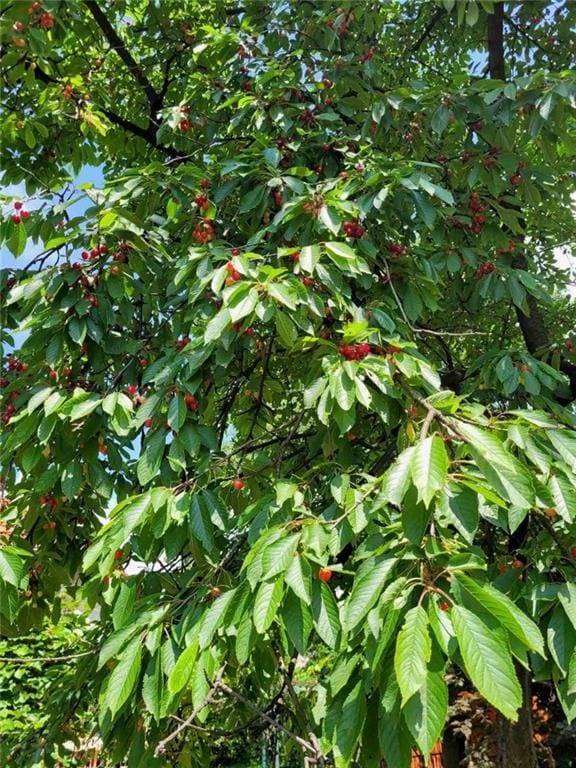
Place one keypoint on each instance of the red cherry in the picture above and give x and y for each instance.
(144, 362)
(517, 564)
(235, 252)
(148, 423)
(118, 555)
(238, 483)
(25, 214)
(191, 402)
(53, 375)
(444, 607)
(515, 180)
(573, 551)
(18, 205)
(230, 268)
(325, 574)
(503, 568)
(15, 218)
(132, 389)
(250, 332)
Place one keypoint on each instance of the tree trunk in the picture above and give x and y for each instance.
(514, 740)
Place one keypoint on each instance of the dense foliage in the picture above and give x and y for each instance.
(291, 398)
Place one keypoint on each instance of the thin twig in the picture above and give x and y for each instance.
(274, 723)
(161, 747)
(45, 659)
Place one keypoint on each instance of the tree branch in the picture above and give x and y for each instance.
(305, 745)
(117, 44)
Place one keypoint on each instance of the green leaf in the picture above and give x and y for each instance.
(287, 331)
(71, 480)
(149, 462)
(176, 412)
(216, 327)
(429, 467)
(396, 479)
(11, 566)
(393, 735)
(510, 616)
(283, 294)
(341, 250)
(487, 662)
(351, 722)
(415, 518)
(343, 389)
(17, 241)
(567, 597)
(459, 507)
(309, 257)
(330, 218)
(564, 495)
(561, 637)
(182, 670)
(85, 407)
(297, 577)
(266, 604)
(279, 556)
(325, 614)
(297, 621)
(213, 617)
(425, 713)
(413, 651)
(366, 590)
(123, 678)
(153, 686)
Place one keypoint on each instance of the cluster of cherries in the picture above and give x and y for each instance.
(397, 249)
(369, 54)
(233, 274)
(93, 253)
(48, 501)
(202, 202)
(353, 229)
(191, 402)
(510, 248)
(485, 269)
(203, 231)
(181, 343)
(42, 19)
(355, 351)
(16, 365)
(20, 213)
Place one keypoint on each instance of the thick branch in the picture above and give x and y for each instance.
(533, 327)
(118, 45)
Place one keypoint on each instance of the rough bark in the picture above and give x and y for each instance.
(515, 744)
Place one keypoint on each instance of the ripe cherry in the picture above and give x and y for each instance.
(118, 555)
(132, 389)
(15, 218)
(517, 564)
(18, 205)
(573, 551)
(25, 214)
(148, 423)
(325, 574)
(515, 179)
(238, 483)
(53, 375)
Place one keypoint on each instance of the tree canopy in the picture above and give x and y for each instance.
(289, 400)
